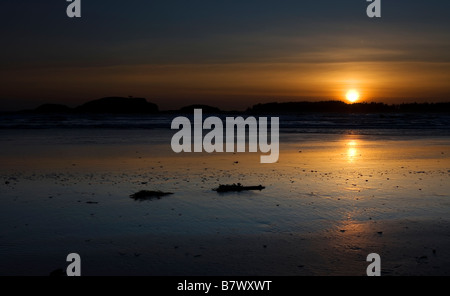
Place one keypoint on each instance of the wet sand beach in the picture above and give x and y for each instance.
(330, 201)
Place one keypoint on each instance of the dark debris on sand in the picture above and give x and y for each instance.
(237, 188)
(149, 195)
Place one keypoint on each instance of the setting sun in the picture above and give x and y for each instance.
(352, 96)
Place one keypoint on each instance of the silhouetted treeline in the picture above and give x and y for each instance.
(342, 107)
(119, 105)
(205, 108)
(110, 105)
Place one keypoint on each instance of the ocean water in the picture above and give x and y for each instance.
(65, 183)
(414, 124)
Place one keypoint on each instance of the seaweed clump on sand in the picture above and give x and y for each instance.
(149, 195)
(237, 188)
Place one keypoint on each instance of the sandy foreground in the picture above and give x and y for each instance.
(406, 248)
(328, 203)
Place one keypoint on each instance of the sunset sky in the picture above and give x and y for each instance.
(230, 54)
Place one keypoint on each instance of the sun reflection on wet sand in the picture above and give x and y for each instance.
(352, 150)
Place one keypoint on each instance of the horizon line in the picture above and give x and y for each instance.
(362, 102)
